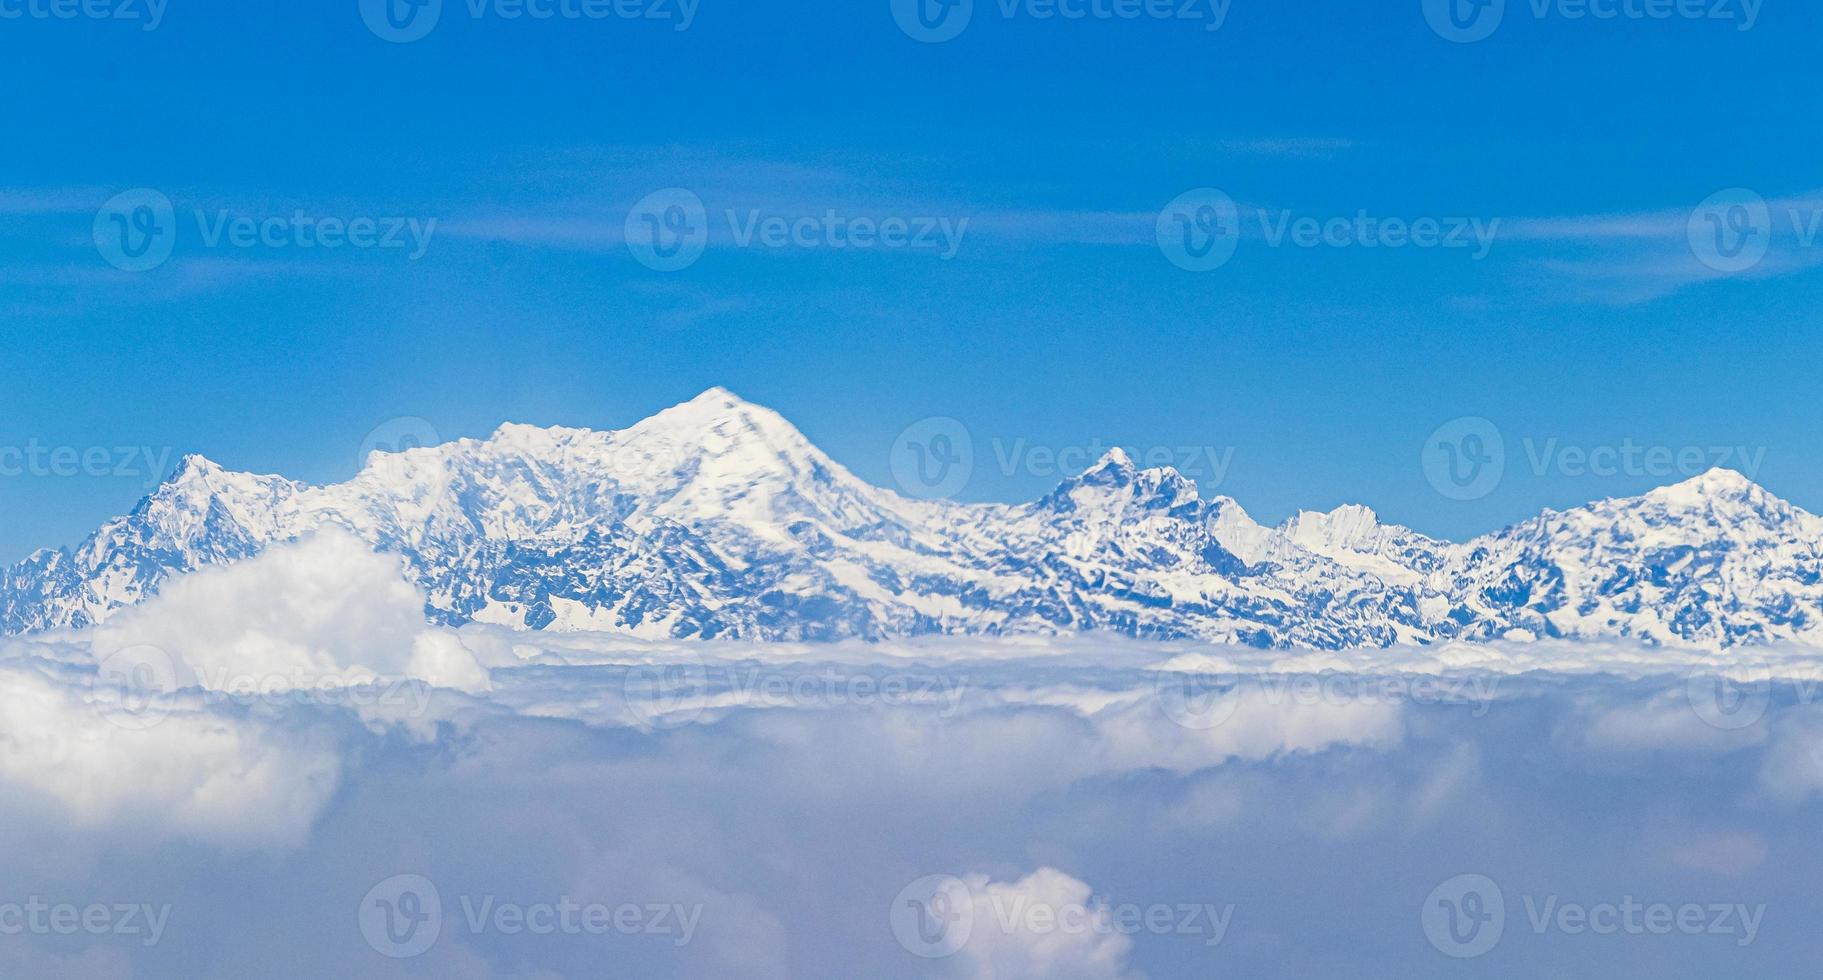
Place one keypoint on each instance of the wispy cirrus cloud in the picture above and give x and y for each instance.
(1292, 146)
(1615, 258)
(1800, 214)
(56, 265)
(578, 232)
(25, 202)
(1631, 258)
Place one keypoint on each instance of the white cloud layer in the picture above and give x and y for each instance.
(193, 774)
(779, 797)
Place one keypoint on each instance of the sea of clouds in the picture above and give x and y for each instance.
(277, 769)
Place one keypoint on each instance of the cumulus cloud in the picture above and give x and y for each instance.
(323, 609)
(783, 795)
(166, 770)
(1249, 723)
(168, 720)
(1046, 924)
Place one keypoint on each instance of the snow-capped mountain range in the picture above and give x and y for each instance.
(718, 519)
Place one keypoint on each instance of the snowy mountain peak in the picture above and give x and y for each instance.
(717, 518)
(1115, 458)
(1347, 523)
(1716, 484)
(516, 435)
(198, 482)
(720, 423)
(710, 406)
(1114, 486)
(1354, 537)
(720, 398)
(1117, 469)
(194, 467)
(1114, 470)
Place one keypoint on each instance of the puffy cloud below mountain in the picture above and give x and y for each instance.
(324, 610)
(158, 769)
(758, 808)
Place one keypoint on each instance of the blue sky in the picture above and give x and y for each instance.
(1059, 322)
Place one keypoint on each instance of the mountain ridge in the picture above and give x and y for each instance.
(717, 518)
